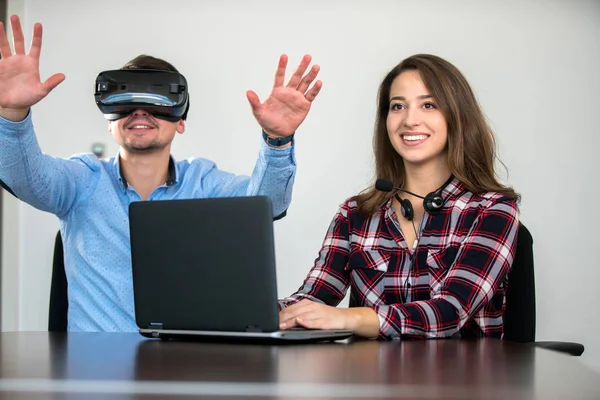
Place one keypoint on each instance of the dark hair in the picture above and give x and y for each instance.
(144, 61)
(471, 144)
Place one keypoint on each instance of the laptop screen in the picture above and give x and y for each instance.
(204, 264)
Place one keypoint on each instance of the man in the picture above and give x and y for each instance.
(91, 197)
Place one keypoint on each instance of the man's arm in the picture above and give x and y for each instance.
(40, 180)
(45, 182)
(280, 116)
(273, 176)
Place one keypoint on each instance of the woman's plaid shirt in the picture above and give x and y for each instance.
(457, 283)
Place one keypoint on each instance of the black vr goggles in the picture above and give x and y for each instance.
(164, 94)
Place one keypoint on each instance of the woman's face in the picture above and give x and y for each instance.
(416, 127)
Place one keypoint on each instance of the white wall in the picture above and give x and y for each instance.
(11, 227)
(534, 66)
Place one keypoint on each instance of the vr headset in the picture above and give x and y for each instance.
(164, 94)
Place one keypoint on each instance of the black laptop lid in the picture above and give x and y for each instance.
(204, 264)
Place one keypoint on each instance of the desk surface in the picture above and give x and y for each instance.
(41, 365)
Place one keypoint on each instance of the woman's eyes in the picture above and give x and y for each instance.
(398, 106)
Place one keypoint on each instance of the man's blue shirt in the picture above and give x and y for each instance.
(91, 199)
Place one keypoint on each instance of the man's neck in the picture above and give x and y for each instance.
(145, 172)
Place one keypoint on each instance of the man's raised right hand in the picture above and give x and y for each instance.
(20, 84)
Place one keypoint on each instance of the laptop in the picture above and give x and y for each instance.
(205, 269)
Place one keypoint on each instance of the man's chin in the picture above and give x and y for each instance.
(137, 148)
(147, 150)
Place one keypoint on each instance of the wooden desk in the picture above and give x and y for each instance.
(41, 365)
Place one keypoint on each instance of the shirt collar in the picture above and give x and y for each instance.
(172, 178)
(453, 189)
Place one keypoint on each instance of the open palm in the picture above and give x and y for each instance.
(287, 106)
(19, 72)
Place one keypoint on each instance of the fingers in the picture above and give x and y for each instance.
(311, 315)
(53, 82)
(4, 46)
(308, 79)
(305, 314)
(18, 39)
(280, 72)
(297, 75)
(300, 82)
(314, 91)
(36, 41)
(253, 100)
(288, 315)
(288, 324)
(314, 323)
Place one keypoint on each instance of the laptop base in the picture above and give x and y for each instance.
(286, 336)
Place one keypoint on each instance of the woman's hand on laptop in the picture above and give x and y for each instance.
(363, 321)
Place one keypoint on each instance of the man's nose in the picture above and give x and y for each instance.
(140, 112)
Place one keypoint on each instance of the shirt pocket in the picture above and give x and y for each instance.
(368, 268)
(439, 263)
(369, 258)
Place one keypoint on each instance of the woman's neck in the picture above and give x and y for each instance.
(426, 178)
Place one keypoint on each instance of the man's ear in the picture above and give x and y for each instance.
(180, 126)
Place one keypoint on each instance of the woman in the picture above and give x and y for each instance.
(426, 251)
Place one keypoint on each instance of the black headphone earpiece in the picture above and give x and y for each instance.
(406, 208)
(407, 211)
(433, 202)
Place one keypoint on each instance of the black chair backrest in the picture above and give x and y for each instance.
(59, 302)
(519, 315)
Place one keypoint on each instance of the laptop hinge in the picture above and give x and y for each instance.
(253, 328)
(155, 325)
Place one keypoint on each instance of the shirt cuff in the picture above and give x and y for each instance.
(16, 128)
(390, 321)
(280, 157)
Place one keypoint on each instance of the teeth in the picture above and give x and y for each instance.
(414, 137)
(140, 127)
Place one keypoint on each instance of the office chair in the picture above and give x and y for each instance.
(519, 314)
(59, 303)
